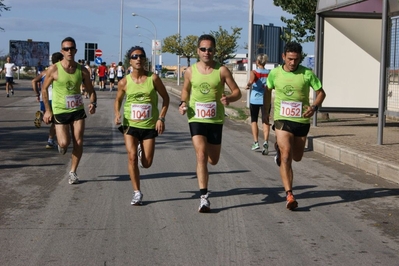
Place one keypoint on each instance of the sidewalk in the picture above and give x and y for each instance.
(347, 138)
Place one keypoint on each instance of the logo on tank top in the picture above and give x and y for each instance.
(288, 90)
(204, 88)
(70, 85)
(139, 96)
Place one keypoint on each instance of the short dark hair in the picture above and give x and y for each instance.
(206, 37)
(69, 39)
(56, 57)
(135, 48)
(293, 47)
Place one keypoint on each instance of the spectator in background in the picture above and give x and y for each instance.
(111, 75)
(102, 75)
(257, 84)
(120, 71)
(9, 68)
(56, 57)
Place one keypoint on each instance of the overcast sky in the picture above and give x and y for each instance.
(98, 21)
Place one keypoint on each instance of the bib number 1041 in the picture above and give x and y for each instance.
(140, 111)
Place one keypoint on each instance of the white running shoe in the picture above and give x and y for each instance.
(205, 205)
(62, 151)
(265, 150)
(73, 178)
(137, 198)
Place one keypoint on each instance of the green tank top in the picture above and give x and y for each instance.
(141, 105)
(206, 92)
(66, 91)
(292, 92)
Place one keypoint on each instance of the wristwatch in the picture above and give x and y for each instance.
(181, 102)
(162, 119)
(315, 108)
(94, 104)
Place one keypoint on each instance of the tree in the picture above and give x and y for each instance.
(303, 25)
(3, 7)
(226, 44)
(186, 47)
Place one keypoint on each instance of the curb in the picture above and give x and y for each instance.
(354, 159)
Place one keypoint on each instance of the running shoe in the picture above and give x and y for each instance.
(137, 198)
(12, 92)
(38, 119)
(265, 150)
(8, 95)
(255, 146)
(277, 158)
(73, 178)
(50, 144)
(139, 155)
(291, 202)
(62, 151)
(205, 205)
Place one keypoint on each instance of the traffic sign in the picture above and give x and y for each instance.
(98, 53)
(98, 60)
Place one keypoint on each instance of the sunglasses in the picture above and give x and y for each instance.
(66, 49)
(135, 56)
(210, 49)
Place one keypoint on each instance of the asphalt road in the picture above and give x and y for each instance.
(345, 216)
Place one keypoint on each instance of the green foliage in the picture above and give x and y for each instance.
(303, 25)
(175, 45)
(5, 8)
(226, 44)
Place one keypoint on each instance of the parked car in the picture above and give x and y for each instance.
(170, 74)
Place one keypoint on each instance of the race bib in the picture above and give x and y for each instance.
(73, 101)
(291, 109)
(205, 110)
(140, 111)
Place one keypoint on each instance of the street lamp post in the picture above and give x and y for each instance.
(155, 28)
(178, 32)
(121, 33)
(152, 48)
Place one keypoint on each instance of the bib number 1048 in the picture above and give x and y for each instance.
(205, 110)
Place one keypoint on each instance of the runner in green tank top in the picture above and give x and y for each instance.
(203, 99)
(68, 111)
(292, 112)
(142, 121)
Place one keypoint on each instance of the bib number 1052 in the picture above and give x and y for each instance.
(291, 109)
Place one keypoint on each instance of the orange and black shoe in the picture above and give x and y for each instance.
(277, 157)
(291, 202)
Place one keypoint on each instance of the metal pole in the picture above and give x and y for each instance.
(155, 28)
(250, 48)
(382, 97)
(121, 33)
(178, 32)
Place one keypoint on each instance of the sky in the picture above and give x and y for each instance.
(99, 21)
